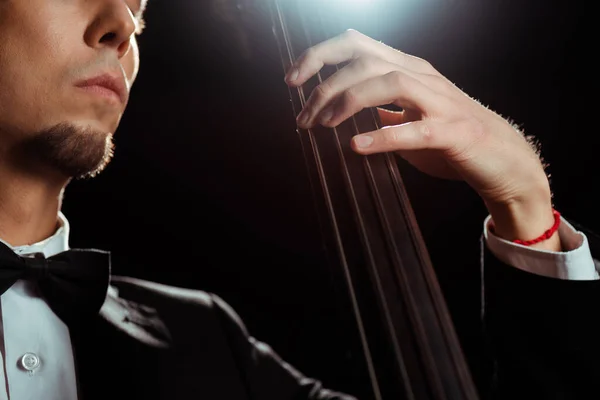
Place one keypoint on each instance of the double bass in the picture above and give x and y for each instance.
(372, 239)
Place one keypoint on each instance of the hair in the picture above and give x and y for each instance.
(74, 151)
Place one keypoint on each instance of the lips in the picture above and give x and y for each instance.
(106, 85)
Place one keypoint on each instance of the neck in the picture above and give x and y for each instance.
(29, 206)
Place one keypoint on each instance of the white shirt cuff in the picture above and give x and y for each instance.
(574, 263)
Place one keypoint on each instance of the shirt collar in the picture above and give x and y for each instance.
(57, 243)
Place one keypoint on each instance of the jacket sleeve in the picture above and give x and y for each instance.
(266, 375)
(543, 334)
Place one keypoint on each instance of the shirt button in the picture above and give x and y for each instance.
(30, 361)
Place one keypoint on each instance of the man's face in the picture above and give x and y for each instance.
(51, 52)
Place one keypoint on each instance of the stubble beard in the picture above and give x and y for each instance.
(79, 152)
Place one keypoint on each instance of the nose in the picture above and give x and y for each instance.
(112, 27)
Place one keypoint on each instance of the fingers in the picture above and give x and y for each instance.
(395, 87)
(349, 46)
(313, 59)
(360, 70)
(417, 135)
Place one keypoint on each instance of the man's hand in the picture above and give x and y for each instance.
(441, 130)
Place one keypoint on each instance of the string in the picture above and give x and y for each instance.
(386, 224)
(328, 201)
(368, 248)
(405, 276)
(381, 210)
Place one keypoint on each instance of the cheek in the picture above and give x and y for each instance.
(30, 62)
(131, 62)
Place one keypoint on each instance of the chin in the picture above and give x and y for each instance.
(76, 150)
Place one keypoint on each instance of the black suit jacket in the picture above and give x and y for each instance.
(543, 333)
(155, 342)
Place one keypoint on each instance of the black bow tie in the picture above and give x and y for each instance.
(74, 283)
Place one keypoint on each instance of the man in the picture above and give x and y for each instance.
(63, 89)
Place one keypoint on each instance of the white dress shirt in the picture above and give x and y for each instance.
(574, 263)
(38, 360)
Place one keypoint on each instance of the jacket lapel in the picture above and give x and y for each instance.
(117, 353)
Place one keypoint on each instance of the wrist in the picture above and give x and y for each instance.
(526, 219)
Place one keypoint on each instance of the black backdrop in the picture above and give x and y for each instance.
(207, 188)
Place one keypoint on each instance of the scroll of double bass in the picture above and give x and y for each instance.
(407, 337)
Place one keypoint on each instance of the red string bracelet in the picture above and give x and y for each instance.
(546, 235)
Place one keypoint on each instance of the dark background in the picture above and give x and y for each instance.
(208, 188)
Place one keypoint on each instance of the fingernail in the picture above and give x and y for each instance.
(293, 75)
(363, 141)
